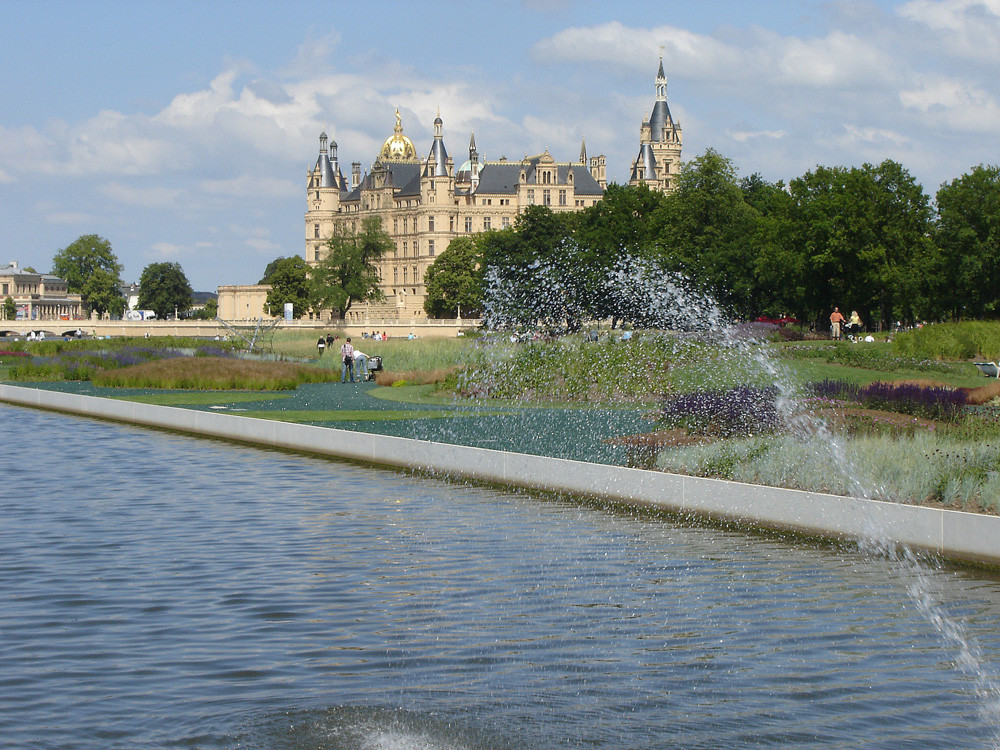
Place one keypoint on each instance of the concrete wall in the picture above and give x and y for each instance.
(951, 534)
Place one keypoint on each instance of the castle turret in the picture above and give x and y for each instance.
(438, 161)
(660, 141)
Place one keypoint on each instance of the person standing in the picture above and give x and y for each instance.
(321, 345)
(361, 366)
(347, 355)
(854, 329)
(836, 320)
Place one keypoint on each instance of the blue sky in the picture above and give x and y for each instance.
(182, 131)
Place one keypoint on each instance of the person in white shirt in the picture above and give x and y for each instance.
(360, 365)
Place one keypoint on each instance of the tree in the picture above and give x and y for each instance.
(452, 281)
(102, 293)
(533, 273)
(9, 309)
(967, 242)
(705, 230)
(349, 272)
(861, 232)
(164, 289)
(79, 260)
(208, 311)
(289, 280)
(615, 236)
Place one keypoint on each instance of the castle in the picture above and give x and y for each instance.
(425, 203)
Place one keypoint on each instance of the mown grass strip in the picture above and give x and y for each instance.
(201, 398)
(359, 415)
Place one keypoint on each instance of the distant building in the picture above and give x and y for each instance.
(426, 203)
(38, 296)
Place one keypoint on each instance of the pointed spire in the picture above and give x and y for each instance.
(661, 83)
(583, 151)
(439, 154)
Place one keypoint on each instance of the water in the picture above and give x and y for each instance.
(165, 591)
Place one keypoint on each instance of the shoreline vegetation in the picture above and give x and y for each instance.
(909, 421)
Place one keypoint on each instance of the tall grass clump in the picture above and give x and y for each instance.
(571, 369)
(954, 341)
(878, 357)
(919, 469)
(213, 374)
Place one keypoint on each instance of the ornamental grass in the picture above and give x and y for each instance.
(214, 374)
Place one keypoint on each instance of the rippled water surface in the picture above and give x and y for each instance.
(166, 591)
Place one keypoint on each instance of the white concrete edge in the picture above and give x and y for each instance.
(951, 534)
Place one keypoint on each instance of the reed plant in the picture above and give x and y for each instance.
(951, 341)
(213, 374)
(573, 369)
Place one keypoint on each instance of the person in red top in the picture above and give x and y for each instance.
(836, 320)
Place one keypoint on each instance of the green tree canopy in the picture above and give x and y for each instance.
(705, 230)
(453, 282)
(9, 309)
(967, 238)
(79, 260)
(534, 272)
(102, 293)
(349, 272)
(290, 282)
(860, 232)
(163, 288)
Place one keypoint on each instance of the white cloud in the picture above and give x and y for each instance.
(166, 250)
(953, 103)
(966, 28)
(698, 55)
(855, 136)
(70, 217)
(247, 185)
(742, 136)
(834, 61)
(142, 197)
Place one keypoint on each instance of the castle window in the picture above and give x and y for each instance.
(531, 196)
(486, 223)
(405, 270)
(395, 226)
(546, 198)
(562, 197)
(395, 275)
(430, 223)
(404, 249)
(468, 223)
(430, 247)
(505, 222)
(316, 231)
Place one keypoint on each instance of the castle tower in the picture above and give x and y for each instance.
(438, 163)
(660, 142)
(322, 199)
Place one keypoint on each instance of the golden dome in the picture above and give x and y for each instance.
(398, 147)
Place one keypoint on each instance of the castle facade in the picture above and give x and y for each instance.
(425, 203)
